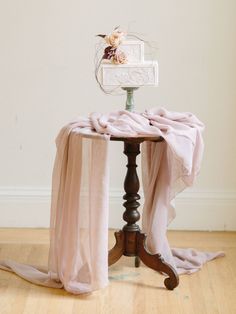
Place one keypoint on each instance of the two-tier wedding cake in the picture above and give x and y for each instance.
(123, 63)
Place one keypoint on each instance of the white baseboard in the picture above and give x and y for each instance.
(196, 210)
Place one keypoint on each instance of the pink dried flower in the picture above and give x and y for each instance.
(115, 39)
(119, 57)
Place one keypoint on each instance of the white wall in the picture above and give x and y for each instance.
(46, 79)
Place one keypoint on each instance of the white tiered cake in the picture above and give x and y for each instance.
(135, 72)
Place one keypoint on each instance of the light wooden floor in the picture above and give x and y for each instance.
(131, 290)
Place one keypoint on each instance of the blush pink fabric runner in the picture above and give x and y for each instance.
(78, 256)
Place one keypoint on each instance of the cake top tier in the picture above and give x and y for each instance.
(119, 50)
(133, 50)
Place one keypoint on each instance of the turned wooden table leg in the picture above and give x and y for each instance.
(131, 187)
(126, 242)
(130, 241)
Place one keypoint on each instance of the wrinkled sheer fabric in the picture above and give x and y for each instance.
(78, 258)
(168, 168)
(79, 216)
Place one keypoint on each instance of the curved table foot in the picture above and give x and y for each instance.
(137, 261)
(118, 249)
(156, 262)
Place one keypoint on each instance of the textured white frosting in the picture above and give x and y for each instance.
(134, 50)
(130, 75)
(135, 73)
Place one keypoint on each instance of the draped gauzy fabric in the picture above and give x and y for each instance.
(78, 259)
(168, 168)
(79, 216)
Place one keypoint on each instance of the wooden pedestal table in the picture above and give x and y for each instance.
(130, 241)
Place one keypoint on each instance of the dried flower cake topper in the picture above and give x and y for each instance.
(113, 52)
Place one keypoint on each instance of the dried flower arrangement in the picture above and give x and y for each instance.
(113, 52)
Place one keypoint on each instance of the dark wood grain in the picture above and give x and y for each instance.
(137, 139)
(117, 251)
(131, 187)
(130, 241)
(156, 262)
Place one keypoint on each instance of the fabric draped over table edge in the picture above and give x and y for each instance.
(78, 255)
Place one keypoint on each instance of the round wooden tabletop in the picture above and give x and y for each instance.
(137, 139)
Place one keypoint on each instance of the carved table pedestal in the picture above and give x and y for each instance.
(130, 241)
